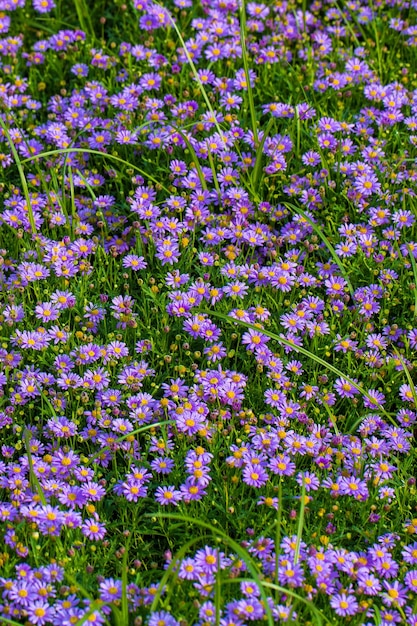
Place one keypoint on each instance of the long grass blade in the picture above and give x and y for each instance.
(408, 376)
(84, 18)
(414, 266)
(36, 486)
(22, 176)
(194, 71)
(258, 158)
(319, 232)
(307, 353)
(300, 523)
(236, 547)
(142, 429)
(243, 36)
(102, 154)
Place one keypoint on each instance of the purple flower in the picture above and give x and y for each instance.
(290, 574)
(163, 465)
(282, 465)
(254, 339)
(353, 486)
(255, 475)
(335, 286)
(43, 6)
(311, 158)
(409, 553)
(169, 253)
(344, 604)
(208, 560)
(191, 490)
(250, 609)
(162, 618)
(368, 582)
(410, 580)
(236, 289)
(110, 590)
(132, 490)
(96, 379)
(39, 612)
(80, 70)
(345, 389)
(13, 314)
(215, 352)
(134, 262)
(93, 529)
(310, 481)
(168, 495)
(190, 422)
(395, 594)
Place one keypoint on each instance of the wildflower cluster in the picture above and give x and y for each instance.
(208, 278)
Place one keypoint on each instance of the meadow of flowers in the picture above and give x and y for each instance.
(208, 275)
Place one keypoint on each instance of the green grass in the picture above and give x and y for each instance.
(252, 254)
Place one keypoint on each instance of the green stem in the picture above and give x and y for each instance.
(278, 535)
(22, 177)
(300, 524)
(243, 36)
(102, 154)
(84, 18)
(36, 486)
(258, 158)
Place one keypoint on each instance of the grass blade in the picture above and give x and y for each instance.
(236, 547)
(326, 242)
(102, 154)
(408, 376)
(243, 36)
(22, 176)
(307, 353)
(194, 70)
(142, 429)
(414, 266)
(300, 523)
(258, 157)
(36, 486)
(84, 18)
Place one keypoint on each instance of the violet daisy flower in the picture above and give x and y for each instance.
(168, 495)
(162, 618)
(110, 589)
(282, 465)
(253, 339)
(345, 389)
(43, 6)
(344, 604)
(368, 582)
(192, 491)
(410, 580)
(353, 486)
(39, 612)
(93, 529)
(134, 262)
(409, 553)
(132, 490)
(310, 480)
(255, 475)
(395, 594)
(190, 422)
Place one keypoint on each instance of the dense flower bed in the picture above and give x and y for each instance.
(208, 298)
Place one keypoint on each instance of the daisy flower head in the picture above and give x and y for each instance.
(344, 604)
(168, 495)
(345, 389)
(93, 529)
(134, 262)
(43, 6)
